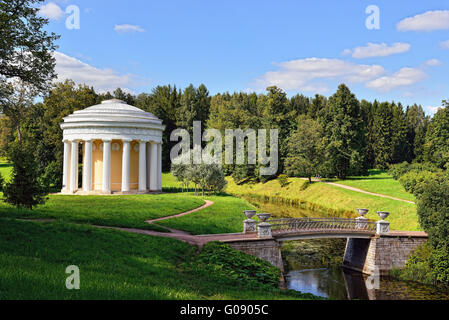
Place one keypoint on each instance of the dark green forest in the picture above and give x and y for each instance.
(348, 136)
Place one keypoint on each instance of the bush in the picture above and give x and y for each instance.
(283, 180)
(52, 176)
(398, 170)
(418, 267)
(415, 181)
(226, 264)
(433, 214)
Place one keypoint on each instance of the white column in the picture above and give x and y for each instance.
(159, 166)
(66, 168)
(142, 166)
(87, 166)
(107, 166)
(126, 164)
(74, 166)
(153, 167)
(148, 164)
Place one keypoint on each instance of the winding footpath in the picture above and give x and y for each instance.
(198, 240)
(338, 185)
(366, 192)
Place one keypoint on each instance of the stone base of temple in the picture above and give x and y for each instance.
(104, 193)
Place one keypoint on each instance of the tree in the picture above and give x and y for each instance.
(126, 97)
(306, 150)
(25, 48)
(164, 103)
(16, 98)
(24, 190)
(402, 150)
(417, 123)
(181, 174)
(276, 114)
(239, 111)
(382, 133)
(215, 179)
(345, 134)
(62, 100)
(437, 138)
(317, 105)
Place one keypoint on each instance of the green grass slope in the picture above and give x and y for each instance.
(119, 265)
(378, 182)
(330, 199)
(224, 216)
(121, 210)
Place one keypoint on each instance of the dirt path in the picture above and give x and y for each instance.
(198, 240)
(207, 204)
(338, 185)
(367, 192)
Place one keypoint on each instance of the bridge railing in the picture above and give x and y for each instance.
(293, 224)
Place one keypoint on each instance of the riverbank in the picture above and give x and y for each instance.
(328, 200)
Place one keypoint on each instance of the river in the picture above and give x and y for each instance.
(314, 266)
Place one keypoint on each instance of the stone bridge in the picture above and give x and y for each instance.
(371, 247)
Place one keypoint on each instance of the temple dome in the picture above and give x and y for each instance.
(115, 118)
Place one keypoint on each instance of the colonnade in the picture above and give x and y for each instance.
(149, 174)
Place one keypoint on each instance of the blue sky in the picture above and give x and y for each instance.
(302, 46)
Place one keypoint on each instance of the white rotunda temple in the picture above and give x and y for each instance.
(121, 150)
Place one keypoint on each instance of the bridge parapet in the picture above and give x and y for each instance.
(288, 225)
(268, 228)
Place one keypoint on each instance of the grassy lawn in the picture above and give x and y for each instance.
(169, 183)
(5, 168)
(378, 182)
(122, 211)
(224, 216)
(322, 197)
(119, 265)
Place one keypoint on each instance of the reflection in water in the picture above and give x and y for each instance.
(342, 284)
(325, 283)
(335, 282)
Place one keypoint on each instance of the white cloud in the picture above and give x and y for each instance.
(444, 44)
(51, 11)
(377, 50)
(403, 78)
(101, 79)
(428, 21)
(432, 109)
(124, 28)
(302, 74)
(433, 63)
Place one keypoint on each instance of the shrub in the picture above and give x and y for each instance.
(415, 181)
(398, 170)
(283, 180)
(52, 176)
(433, 214)
(418, 267)
(220, 260)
